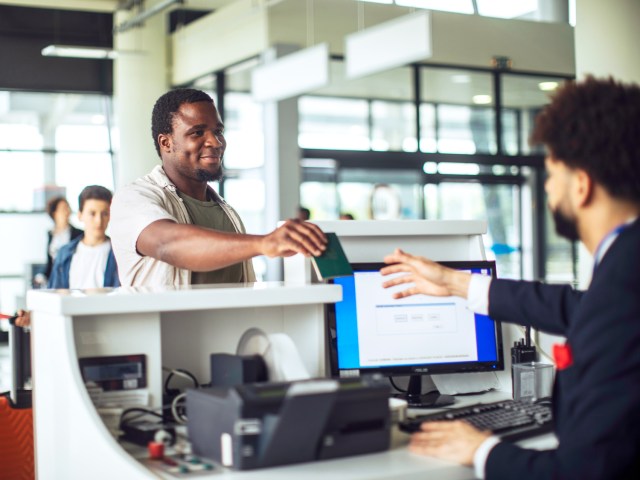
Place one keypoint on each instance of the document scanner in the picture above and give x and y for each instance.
(267, 424)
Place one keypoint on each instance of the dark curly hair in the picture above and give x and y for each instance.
(594, 125)
(94, 192)
(166, 107)
(52, 205)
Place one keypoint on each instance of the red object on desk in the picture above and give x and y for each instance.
(156, 450)
(562, 355)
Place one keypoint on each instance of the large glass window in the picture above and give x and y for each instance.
(334, 123)
(52, 140)
(498, 205)
(522, 98)
(462, 117)
(393, 126)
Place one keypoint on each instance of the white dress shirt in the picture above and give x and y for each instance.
(478, 302)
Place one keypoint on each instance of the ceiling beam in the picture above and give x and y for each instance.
(80, 5)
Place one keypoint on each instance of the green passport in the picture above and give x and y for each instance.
(333, 262)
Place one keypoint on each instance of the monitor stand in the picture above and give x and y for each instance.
(416, 399)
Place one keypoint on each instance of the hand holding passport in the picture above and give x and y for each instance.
(333, 262)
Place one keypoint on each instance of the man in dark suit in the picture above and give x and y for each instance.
(592, 134)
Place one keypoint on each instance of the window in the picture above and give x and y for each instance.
(52, 139)
(498, 205)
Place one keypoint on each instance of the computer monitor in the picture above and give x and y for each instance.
(371, 332)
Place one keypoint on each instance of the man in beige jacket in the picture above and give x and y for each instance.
(171, 228)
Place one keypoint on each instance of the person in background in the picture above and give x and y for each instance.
(61, 233)
(88, 260)
(592, 133)
(346, 216)
(304, 214)
(171, 228)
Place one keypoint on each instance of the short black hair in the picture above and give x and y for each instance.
(94, 192)
(52, 205)
(304, 213)
(166, 107)
(594, 125)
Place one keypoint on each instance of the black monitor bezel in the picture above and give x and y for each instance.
(400, 370)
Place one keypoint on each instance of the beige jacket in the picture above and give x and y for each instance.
(137, 205)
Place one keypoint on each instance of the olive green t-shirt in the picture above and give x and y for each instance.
(210, 214)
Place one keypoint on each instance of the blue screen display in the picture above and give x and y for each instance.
(392, 328)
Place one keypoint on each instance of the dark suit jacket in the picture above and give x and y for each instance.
(597, 398)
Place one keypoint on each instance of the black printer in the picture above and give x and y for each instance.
(267, 424)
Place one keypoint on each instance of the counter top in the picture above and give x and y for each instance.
(167, 299)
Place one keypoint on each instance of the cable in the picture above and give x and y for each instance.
(180, 373)
(396, 386)
(179, 412)
(143, 411)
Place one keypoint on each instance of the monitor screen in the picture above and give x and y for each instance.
(371, 332)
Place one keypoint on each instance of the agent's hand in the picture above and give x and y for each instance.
(294, 236)
(23, 318)
(456, 441)
(427, 277)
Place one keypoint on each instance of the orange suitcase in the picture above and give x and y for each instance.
(16, 415)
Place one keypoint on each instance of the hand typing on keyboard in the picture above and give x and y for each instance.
(456, 433)
(509, 418)
(450, 440)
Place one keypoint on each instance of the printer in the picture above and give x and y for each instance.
(267, 424)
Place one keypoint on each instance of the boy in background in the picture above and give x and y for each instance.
(88, 261)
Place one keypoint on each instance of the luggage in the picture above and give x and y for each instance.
(16, 415)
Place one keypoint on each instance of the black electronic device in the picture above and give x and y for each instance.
(118, 372)
(228, 370)
(262, 425)
(370, 331)
(511, 420)
(142, 432)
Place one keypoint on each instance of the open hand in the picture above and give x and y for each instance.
(427, 277)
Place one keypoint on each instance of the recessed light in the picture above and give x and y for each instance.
(547, 86)
(482, 99)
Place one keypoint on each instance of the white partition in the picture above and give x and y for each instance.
(174, 327)
(371, 240)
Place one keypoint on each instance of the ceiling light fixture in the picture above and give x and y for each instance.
(75, 51)
(547, 86)
(482, 99)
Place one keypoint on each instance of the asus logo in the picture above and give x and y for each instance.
(421, 370)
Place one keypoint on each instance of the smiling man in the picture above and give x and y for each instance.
(171, 228)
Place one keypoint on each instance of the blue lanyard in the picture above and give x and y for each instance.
(606, 242)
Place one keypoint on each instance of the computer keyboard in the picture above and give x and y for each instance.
(509, 419)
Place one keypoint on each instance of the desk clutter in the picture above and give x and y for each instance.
(260, 409)
(258, 404)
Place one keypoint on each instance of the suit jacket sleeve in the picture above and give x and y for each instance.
(597, 396)
(543, 307)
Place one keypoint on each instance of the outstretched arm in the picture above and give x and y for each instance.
(427, 277)
(201, 249)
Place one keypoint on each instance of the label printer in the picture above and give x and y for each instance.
(267, 424)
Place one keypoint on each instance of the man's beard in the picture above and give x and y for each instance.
(206, 176)
(566, 226)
